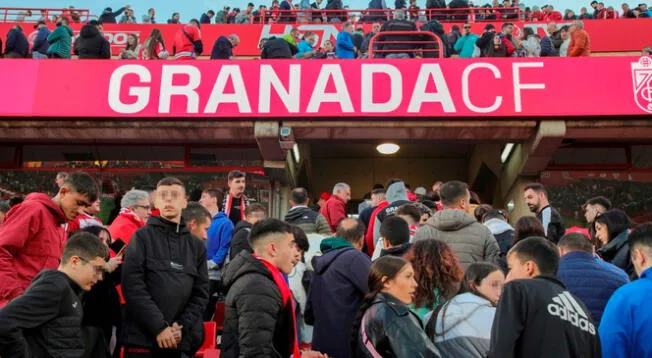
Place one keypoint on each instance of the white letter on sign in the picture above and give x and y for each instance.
(340, 96)
(289, 97)
(168, 89)
(239, 95)
(141, 93)
(518, 86)
(419, 94)
(465, 88)
(395, 88)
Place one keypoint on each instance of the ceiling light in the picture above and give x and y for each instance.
(388, 148)
(507, 150)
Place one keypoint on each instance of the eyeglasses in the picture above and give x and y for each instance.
(99, 270)
(146, 207)
(467, 27)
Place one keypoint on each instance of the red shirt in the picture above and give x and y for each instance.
(334, 211)
(124, 227)
(184, 48)
(83, 221)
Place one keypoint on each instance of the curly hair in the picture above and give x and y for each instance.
(435, 268)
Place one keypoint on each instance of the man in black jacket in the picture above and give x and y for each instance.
(398, 50)
(253, 214)
(536, 313)
(46, 320)
(310, 221)
(109, 17)
(536, 198)
(91, 44)
(259, 310)
(165, 282)
(17, 45)
(277, 47)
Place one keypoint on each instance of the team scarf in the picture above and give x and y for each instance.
(286, 297)
(133, 216)
(228, 204)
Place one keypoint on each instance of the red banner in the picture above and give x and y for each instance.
(328, 89)
(606, 35)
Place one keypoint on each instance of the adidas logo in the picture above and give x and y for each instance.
(566, 307)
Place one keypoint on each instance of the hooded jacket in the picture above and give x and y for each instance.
(124, 226)
(469, 240)
(240, 240)
(256, 324)
(616, 252)
(41, 41)
(335, 296)
(17, 43)
(60, 41)
(396, 196)
(164, 280)
(91, 44)
(277, 47)
(310, 221)
(540, 315)
(218, 244)
(405, 251)
(31, 239)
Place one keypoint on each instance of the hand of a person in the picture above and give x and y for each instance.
(166, 339)
(113, 264)
(313, 354)
(127, 6)
(176, 330)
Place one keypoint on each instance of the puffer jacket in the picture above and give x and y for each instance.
(310, 221)
(469, 240)
(91, 44)
(616, 252)
(389, 329)
(396, 196)
(255, 322)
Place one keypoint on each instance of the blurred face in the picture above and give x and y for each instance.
(573, 27)
(518, 269)
(424, 219)
(170, 200)
(237, 186)
(564, 35)
(199, 229)
(403, 286)
(73, 203)
(467, 29)
(94, 208)
(375, 28)
(532, 199)
(207, 201)
(328, 47)
(105, 237)
(143, 209)
(59, 181)
(132, 40)
(176, 16)
(602, 232)
(310, 40)
(492, 285)
(283, 252)
(590, 212)
(345, 194)
(86, 273)
(508, 30)
(256, 216)
(298, 253)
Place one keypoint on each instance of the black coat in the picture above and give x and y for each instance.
(102, 305)
(45, 321)
(164, 280)
(398, 25)
(393, 330)
(552, 222)
(240, 239)
(278, 48)
(17, 43)
(435, 4)
(91, 44)
(436, 28)
(255, 322)
(109, 17)
(616, 252)
(222, 49)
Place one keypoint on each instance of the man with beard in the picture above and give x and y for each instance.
(536, 198)
(235, 201)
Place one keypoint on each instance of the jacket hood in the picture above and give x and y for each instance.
(321, 263)
(89, 31)
(243, 264)
(160, 222)
(396, 251)
(242, 224)
(44, 200)
(451, 220)
(396, 192)
(296, 213)
(220, 216)
(497, 226)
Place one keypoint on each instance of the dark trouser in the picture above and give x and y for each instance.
(55, 56)
(215, 294)
(153, 353)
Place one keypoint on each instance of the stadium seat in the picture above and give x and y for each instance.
(210, 334)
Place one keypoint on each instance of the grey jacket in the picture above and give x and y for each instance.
(396, 195)
(469, 240)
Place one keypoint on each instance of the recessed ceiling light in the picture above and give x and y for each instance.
(388, 148)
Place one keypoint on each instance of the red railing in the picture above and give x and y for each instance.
(475, 14)
(17, 14)
(426, 43)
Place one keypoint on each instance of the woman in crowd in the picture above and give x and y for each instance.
(528, 45)
(527, 226)
(306, 46)
(462, 326)
(611, 232)
(438, 273)
(385, 326)
(132, 49)
(154, 47)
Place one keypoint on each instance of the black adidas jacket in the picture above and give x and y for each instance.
(540, 318)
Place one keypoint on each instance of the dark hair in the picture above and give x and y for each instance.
(195, 212)
(481, 210)
(539, 250)
(15, 200)
(494, 214)
(378, 191)
(96, 230)
(169, 181)
(527, 226)
(432, 196)
(641, 236)
(234, 174)
(266, 227)
(452, 191)
(299, 195)
(350, 233)
(300, 238)
(598, 200)
(527, 31)
(210, 12)
(215, 193)
(4, 206)
(409, 210)
(85, 245)
(155, 37)
(576, 242)
(395, 230)
(130, 47)
(382, 270)
(254, 208)
(475, 198)
(83, 184)
(506, 24)
(377, 186)
(174, 14)
(537, 187)
(435, 268)
(475, 273)
(195, 21)
(565, 28)
(94, 23)
(616, 220)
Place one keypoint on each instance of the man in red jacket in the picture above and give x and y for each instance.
(335, 208)
(33, 235)
(135, 210)
(187, 42)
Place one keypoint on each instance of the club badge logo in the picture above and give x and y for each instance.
(642, 80)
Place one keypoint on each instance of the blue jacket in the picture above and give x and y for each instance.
(304, 47)
(41, 41)
(336, 293)
(344, 46)
(590, 279)
(219, 239)
(625, 329)
(465, 45)
(222, 49)
(17, 42)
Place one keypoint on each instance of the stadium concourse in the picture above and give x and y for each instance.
(476, 183)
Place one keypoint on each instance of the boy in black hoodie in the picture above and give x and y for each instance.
(165, 282)
(91, 44)
(536, 314)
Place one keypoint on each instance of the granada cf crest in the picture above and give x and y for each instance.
(642, 77)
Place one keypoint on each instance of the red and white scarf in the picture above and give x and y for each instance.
(133, 216)
(228, 204)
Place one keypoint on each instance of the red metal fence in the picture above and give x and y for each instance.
(17, 14)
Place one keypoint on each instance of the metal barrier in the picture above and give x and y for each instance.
(429, 43)
(17, 14)
(474, 14)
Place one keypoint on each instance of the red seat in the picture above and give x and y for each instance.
(210, 334)
(218, 317)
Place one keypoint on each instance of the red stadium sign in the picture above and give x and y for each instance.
(328, 89)
(606, 35)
